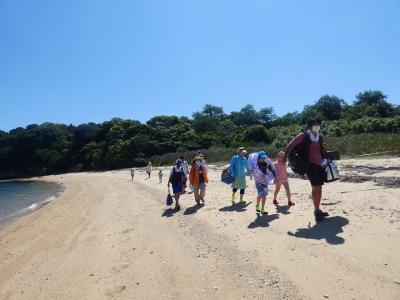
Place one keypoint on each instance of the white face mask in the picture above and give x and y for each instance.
(197, 163)
(316, 128)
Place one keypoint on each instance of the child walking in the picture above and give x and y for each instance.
(132, 173)
(263, 172)
(149, 169)
(281, 179)
(160, 174)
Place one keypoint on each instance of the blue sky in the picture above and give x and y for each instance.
(77, 61)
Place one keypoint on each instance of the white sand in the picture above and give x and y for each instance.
(108, 237)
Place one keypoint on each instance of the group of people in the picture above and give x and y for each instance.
(258, 167)
(149, 169)
(197, 178)
(264, 172)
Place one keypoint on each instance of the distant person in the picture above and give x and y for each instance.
(132, 172)
(282, 178)
(315, 153)
(160, 175)
(185, 167)
(239, 169)
(204, 161)
(176, 178)
(198, 179)
(149, 168)
(263, 174)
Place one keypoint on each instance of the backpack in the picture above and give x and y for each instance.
(298, 156)
(177, 176)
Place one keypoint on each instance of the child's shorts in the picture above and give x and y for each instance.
(262, 189)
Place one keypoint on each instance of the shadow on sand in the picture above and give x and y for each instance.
(193, 209)
(262, 220)
(283, 209)
(169, 212)
(327, 230)
(238, 207)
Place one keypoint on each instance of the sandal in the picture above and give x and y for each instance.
(291, 203)
(276, 202)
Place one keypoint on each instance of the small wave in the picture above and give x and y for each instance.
(37, 205)
(31, 207)
(9, 218)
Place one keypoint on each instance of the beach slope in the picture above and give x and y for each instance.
(109, 237)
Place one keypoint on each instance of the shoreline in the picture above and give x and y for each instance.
(109, 237)
(33, 207)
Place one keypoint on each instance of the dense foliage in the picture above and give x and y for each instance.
(54, 148)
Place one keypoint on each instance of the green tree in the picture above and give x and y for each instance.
(265, 116)
(256, 134)
(212, 110)
(370, 97)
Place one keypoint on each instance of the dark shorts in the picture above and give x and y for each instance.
(177, 188)
(316, 175)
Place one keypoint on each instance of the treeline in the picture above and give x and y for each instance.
(55, 148)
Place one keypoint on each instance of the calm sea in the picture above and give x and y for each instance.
(18, 198)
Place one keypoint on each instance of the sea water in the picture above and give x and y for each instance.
(18, 198)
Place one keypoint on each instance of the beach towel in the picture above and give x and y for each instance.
(257, 174)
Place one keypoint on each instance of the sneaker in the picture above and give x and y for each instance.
(233, 198)
(258, 208)
(325, 214)
(264, 212)
(276, 202)
(319, 217)
(291, 203)
(242, 201)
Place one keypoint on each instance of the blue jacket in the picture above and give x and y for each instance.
(239, 166)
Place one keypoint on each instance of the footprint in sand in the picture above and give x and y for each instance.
(115, 290)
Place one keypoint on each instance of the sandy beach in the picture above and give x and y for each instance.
(109, 237)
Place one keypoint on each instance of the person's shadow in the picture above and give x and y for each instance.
(238, 207)
(328, 230)
(169, 212)
(193, 209)
(262, 220)
(283, 209)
